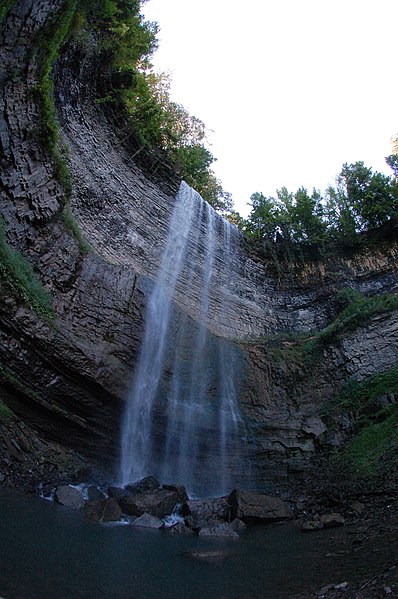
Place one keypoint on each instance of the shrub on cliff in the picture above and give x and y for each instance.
(156, 120)
(18, 274)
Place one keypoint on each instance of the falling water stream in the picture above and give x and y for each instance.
(182, 421)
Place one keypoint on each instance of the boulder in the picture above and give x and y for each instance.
(332, 520)
(209, 508)
(148, 483)
(356, 506)
(148, 521)
(69, 496)
(314, 426)
(197, 522)
(158, 503)
(46, 490)
(311, 525)
(103, 510)
(207, 556)
(256, 507)
(237, 525)
(117, 492)
(179, 528)
(220, 530)
(180, 490)
(94, 493)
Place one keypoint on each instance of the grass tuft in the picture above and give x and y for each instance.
(5, 411)
(5, 7)
(49, 43)
(18, 274)
(72, 225)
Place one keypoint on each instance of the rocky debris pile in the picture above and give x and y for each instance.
(149, 504)
(329, 508)
(25, 457)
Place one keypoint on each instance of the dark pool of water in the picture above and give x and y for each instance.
(48, 551)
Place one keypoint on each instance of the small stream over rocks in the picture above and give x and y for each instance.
(148, 504)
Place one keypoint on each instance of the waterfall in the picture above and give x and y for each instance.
(182, 421)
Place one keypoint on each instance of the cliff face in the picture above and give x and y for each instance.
(68, 378)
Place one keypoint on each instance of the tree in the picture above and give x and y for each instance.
(341, 221)
(264, 217)
(307, 217)
(373, 197)
(392, 162)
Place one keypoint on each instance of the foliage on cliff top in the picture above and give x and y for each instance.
(293, 226)
(156, 120)
(18, 274)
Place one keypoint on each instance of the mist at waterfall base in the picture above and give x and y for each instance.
(182, 421)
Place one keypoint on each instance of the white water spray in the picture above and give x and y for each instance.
(181, 421)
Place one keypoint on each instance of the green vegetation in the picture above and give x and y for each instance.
(374, 448)
(290, 226)
(127, 42)
(5, 6)
(354, 396)
(72, 225)
(19, 275)
(48, 44)
(158, 123)
(5, 411)
(357, 309)
(17, 384)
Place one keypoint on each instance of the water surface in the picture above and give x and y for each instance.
(50, 551)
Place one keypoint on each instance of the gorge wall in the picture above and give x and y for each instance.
(68, 378)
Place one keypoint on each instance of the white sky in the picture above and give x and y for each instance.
(291, 89)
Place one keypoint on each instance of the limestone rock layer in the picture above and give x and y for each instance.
(68, 378)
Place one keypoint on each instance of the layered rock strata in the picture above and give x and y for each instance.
(68, 378)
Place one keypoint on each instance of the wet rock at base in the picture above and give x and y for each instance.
(237, 525)
(180, 490)
(103, 510)
(332, 520)
(148, 521)
(179, 528)
(69, 496)
(311, 525)
(158, 503)
(94, 493)
(117, 492)
(207, 556)
(196, 522)
(206, 508)
(46, 490)
(205, 513)
(220, 530)
(256, 507)
(148, 483)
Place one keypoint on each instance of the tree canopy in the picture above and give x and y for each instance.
(360, 200)
(157, 121)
